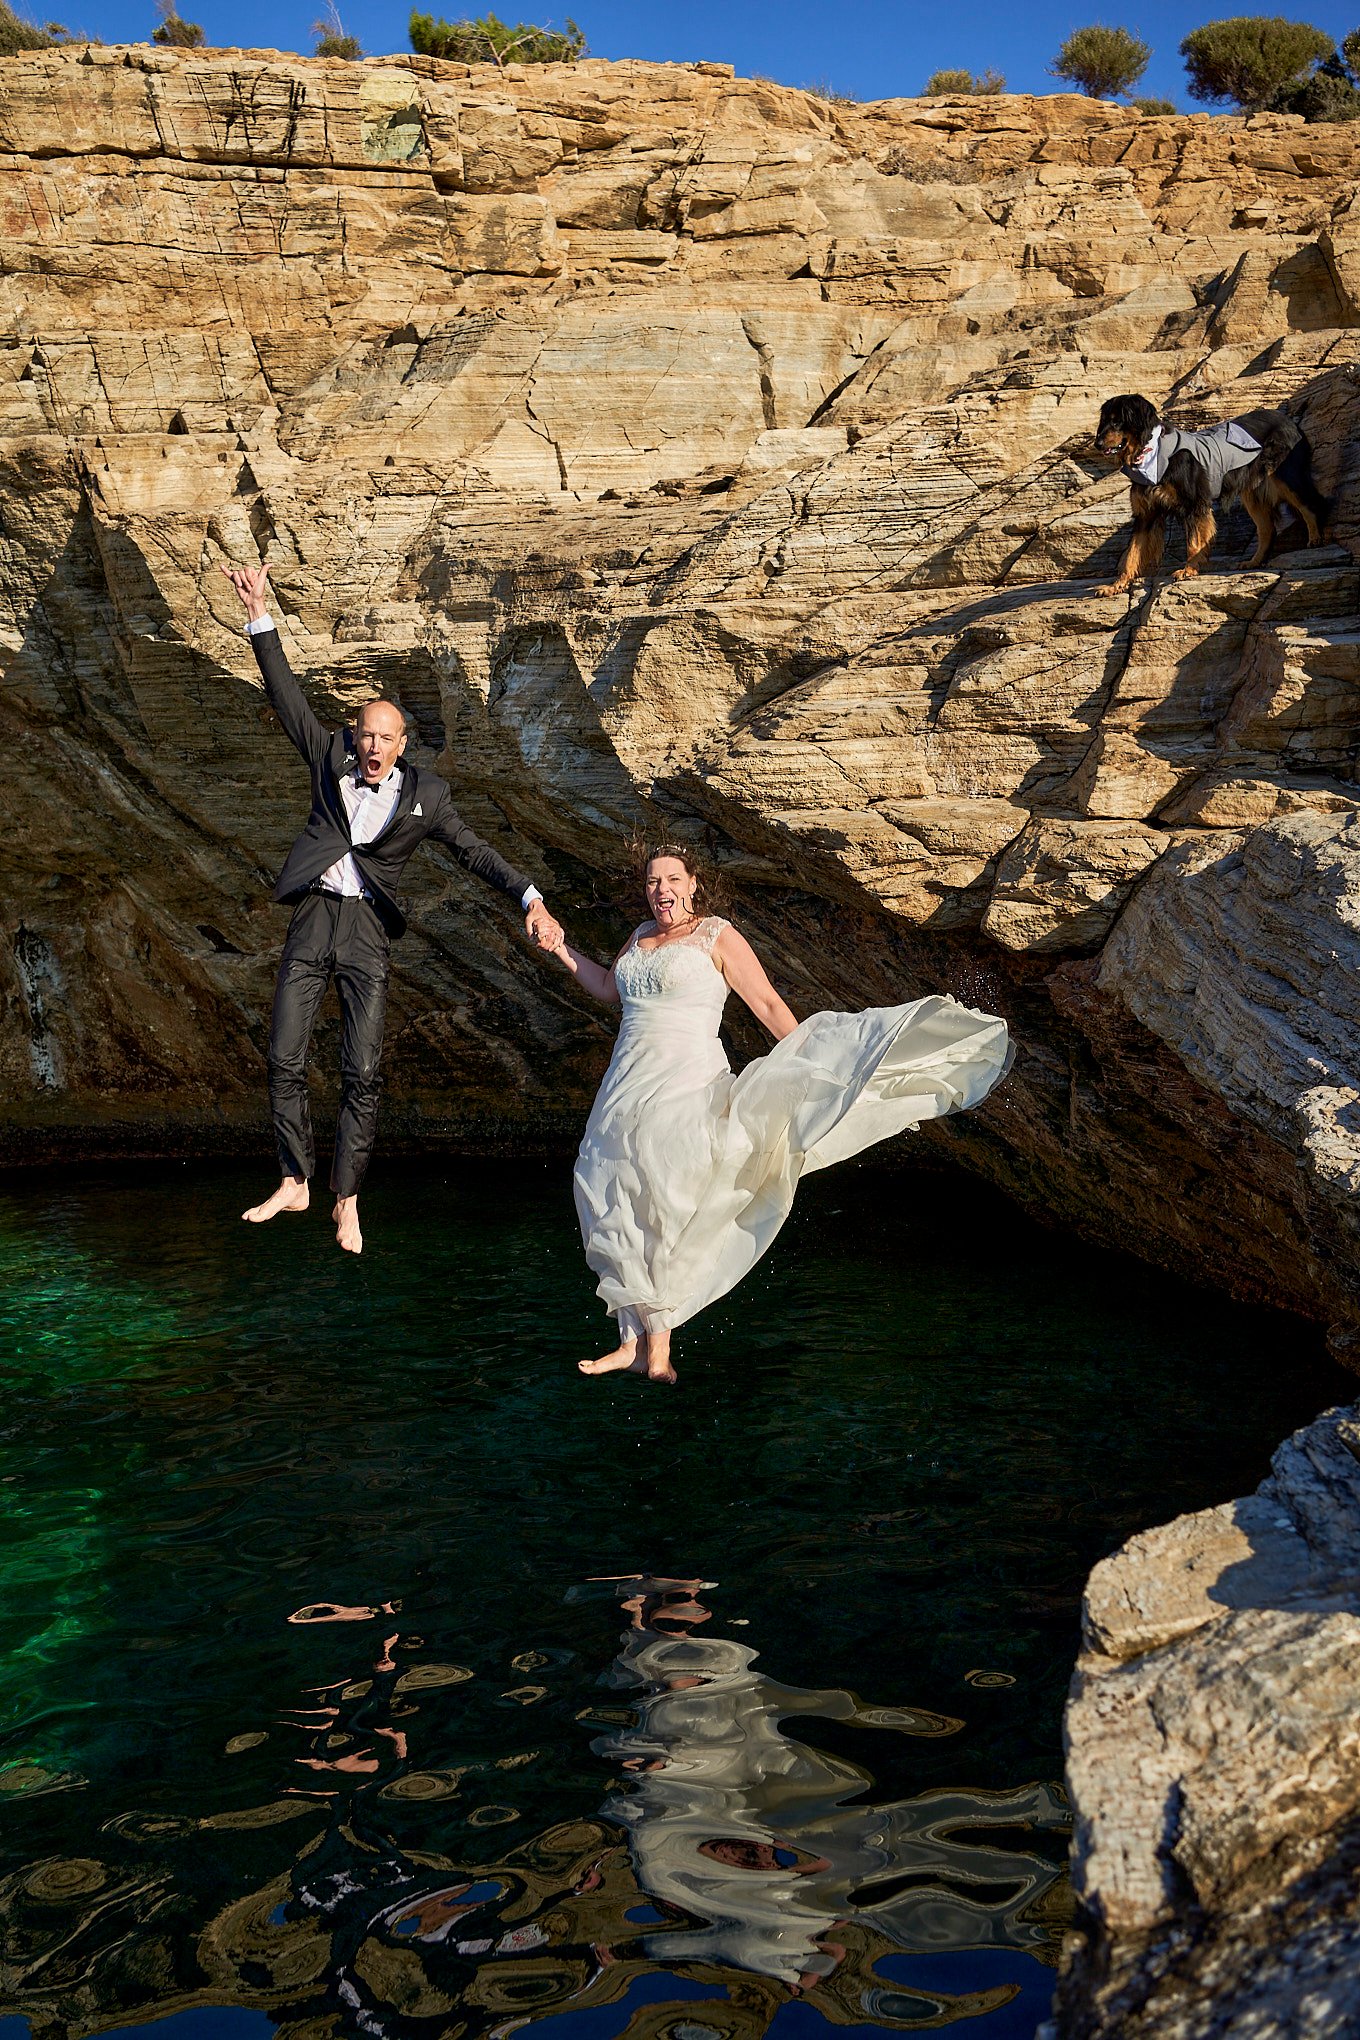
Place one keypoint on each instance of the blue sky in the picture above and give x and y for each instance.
(871, 48)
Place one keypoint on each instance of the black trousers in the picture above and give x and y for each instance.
(329, 937)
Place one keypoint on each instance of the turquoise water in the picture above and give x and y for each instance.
(368, 1671)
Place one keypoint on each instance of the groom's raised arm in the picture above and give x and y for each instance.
(286, 698)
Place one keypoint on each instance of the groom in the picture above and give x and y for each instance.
(370, 810)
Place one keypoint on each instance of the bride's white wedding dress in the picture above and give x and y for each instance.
(686, 1173)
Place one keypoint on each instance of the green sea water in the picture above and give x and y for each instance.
(366, 1670)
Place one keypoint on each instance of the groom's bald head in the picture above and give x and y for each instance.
(379, 737)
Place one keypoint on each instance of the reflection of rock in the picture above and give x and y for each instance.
(1214, 1763)
(682, 445)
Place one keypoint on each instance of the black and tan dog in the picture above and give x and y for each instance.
(1260, 460)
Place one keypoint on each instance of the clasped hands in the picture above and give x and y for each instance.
(542, 929)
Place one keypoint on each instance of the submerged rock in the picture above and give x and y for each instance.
(1213, 1733)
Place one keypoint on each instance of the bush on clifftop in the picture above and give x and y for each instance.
(331, 40)
(17, 34)
(1104, 63)
(1252, 60)
(981, 87)
(489, 40)
(1332, 92)
(173, 33)
(1329, 94)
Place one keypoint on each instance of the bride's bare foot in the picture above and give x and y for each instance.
(622, 1357)
(291, 1195)
(659, 1357)
(346, 1216)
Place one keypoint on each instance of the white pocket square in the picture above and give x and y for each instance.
(418, 809)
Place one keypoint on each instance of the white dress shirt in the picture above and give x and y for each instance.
(368, 805)
(368, 809)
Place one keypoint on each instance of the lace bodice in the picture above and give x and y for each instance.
(682, 970)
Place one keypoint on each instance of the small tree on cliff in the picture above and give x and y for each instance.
(173, 33)
(982, 86)
(1104, 63)
(1251, 60)
(488, 40)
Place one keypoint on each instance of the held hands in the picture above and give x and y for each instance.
(542, 929)
(252, 585)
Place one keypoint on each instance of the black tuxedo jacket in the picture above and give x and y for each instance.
(424, 807)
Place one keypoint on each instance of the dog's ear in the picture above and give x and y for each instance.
(1139, 418)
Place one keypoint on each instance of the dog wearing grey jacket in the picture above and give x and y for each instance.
(1261, 460)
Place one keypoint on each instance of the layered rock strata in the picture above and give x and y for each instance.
(1212, 1760)
(687, 452)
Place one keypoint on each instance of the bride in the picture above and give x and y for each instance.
(686, 1173)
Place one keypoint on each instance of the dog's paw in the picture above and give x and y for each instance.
(1111, 588)
(1185, 574)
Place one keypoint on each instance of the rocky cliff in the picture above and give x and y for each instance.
(687, 452)
(1213, 1731)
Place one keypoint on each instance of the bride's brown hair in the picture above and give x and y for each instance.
(708, 890)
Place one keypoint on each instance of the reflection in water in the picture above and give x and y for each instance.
(730, 1865)
(733, 1821)
(743, 1839)
(381, 1812)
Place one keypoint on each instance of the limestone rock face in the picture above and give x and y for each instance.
(687, 454)
(1213, 1734)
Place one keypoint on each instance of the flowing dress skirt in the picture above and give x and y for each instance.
(686, 1172)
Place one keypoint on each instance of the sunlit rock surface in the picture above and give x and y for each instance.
(1213, 1733)
(686, 453)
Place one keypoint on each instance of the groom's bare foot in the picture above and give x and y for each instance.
(291, 1195)
(623, 1357)
(346, 1216)
(659, 1357)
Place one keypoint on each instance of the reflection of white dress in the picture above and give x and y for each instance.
(711, 1761)
(686, 1173)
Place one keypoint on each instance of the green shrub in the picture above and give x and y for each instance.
(1104, 63)
(1156, 106)
(331, 40)
(986, 83)
(1252, 59)
(17, 34)
(1329, 94)
(173, 33)
(488, 40)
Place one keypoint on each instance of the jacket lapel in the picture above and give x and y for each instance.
(341, 761)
